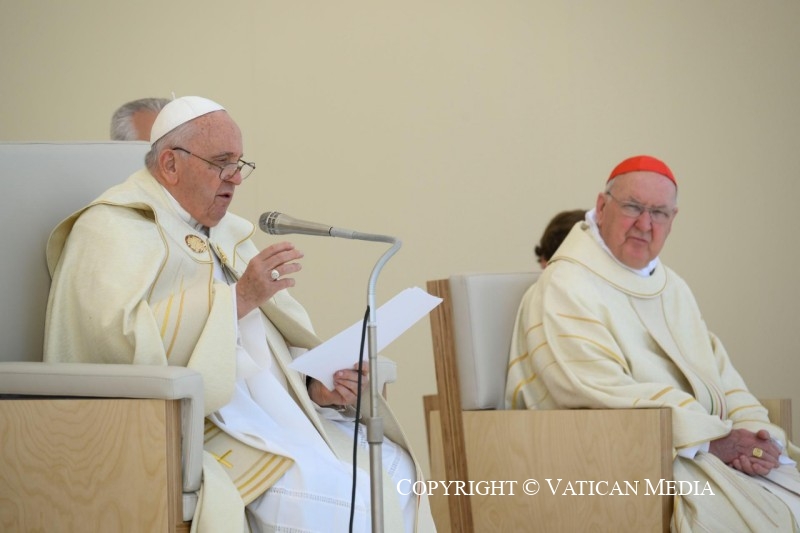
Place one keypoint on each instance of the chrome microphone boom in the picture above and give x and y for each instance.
(276, 223)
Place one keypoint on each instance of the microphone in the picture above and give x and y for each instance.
(276, 223)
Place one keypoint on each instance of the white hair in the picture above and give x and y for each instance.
(176, 137)
(122, 128)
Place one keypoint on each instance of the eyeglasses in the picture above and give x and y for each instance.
(635, 210)
(226, 172)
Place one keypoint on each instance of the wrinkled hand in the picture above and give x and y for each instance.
(345, 387)
(736, 450)
(256, 285)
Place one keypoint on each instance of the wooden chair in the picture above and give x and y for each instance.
(471, 438)
(83, 447)
(99, 447)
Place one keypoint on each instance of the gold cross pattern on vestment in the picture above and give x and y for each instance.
(221, 459)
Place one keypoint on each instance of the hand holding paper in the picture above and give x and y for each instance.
(342, 351)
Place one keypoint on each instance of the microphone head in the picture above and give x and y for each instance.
(276, 223)
(268, 222)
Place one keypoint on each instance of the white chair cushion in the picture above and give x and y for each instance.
(484, 311)
(52, 181)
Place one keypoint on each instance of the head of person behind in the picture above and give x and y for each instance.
(195, 154)
(634, 213)
(132, 121)
(555, 233)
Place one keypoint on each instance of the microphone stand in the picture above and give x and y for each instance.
(374, 423)
(276, 223)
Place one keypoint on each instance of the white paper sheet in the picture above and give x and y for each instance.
(342, 351)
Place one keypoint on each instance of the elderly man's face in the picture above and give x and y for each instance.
(636, 240)
(199, 189)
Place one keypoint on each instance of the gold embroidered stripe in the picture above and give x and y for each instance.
(608, 351)
(530, 329)
(520, 358)
(734, 391)
(580, 318)
(177, 324)
(661, 393)
(686, 402)
(751, 406)
(251, 470)
(273, 468)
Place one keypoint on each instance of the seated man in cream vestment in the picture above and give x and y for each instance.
(607, 325)
(156, 271)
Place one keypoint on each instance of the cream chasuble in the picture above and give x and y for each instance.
(133, 282)
(592, 334)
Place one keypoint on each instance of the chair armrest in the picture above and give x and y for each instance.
(87, 380)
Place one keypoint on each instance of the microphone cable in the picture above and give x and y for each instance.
(358, 419)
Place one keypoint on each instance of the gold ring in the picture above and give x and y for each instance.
(758, 452)
(275, 275)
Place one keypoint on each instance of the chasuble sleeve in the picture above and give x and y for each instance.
(115, 298)
(744, 409)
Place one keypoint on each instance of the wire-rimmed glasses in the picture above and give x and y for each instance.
(658, 215)
(226, 172)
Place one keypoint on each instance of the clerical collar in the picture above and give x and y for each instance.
(591, 220)
(184, 215)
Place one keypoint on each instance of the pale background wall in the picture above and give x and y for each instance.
(461, 127)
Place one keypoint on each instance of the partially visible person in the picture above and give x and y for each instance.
(157, 271)
(555, 233)
(609, 326)
(132, 121)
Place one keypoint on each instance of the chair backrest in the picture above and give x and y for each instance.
(45, 183)
(484, 311)
(471, 335)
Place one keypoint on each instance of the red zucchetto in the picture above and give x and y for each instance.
(644, 163)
